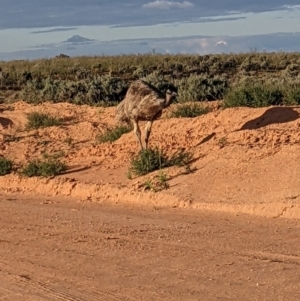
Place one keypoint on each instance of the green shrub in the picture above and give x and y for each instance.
(44, 168)
(113, 133)
(256, 95)
(150, 160)
(189, 110)
(147, 161)
(37, 120)
(158, 80)
(103, 80)
(292, 94)
(201, 87)
(95, 90)
(6, 166)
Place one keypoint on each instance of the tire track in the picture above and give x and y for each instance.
(23, 279)
(274, 257)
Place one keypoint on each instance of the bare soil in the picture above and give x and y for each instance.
(58, 249)
(228, 230)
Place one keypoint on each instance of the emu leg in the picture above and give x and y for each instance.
(137, 132)
(148, 132)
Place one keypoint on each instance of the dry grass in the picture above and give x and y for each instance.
(37, 120)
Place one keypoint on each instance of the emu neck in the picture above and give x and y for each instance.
(168, 100)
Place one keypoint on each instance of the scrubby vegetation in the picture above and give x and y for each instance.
(150, 160)
(37, 120)
(113, 133)
(264, 91)
(157, 183)
(47, 167)
(6, 166)
(104, 80)
(189, 110)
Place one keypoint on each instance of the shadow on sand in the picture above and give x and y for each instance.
(271, 116)
(207, 138)
(5, 122)
(74, 169)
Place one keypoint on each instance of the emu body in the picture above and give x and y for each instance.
(143, 102)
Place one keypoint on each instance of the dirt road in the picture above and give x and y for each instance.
(65, 250)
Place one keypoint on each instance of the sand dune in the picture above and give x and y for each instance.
(246, 159)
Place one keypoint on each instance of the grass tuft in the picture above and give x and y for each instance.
(113, 133)
(150, 160)
(37, 120)
(158, 183)
(147, 161)
(6, 166)
(48, 167)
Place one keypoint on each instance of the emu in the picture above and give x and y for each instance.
(143, 102)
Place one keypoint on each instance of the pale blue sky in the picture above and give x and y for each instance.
(40, 28)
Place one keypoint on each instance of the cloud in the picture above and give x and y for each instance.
(226, 44)
(221, 43)
(192, 44)
(55, 30)
(163, 4)
(74, 13)
(291, 7)
(197, 20)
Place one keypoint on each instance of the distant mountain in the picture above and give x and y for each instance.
(77, 39)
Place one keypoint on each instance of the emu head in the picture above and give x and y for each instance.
(170, 96)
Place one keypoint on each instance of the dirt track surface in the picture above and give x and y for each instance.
(53, 249)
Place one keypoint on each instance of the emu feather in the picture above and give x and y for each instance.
(143, 102)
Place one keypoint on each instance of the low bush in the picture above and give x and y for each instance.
(255, 95)
(48, 167)
(292, 94)
(6, 166)
(37, 120)
(150, 160)
(103, 80)
(201, 87)
(98, 90)
(189, 110)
